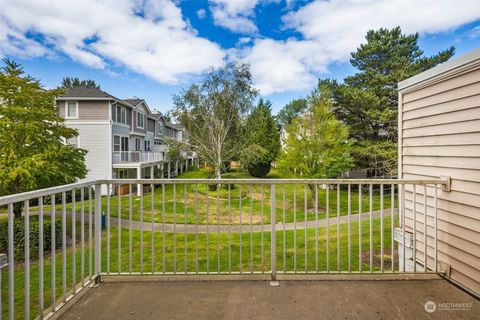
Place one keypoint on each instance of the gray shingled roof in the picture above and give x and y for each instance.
(86, 92)
(133, 102)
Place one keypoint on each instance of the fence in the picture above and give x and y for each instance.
(200, 226)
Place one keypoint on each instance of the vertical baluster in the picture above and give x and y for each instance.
(392, 224)
(284, 232)
(229, 231)
(74, 243)
(262, 223)
(27, 259)
(425, 255)
(295, 228)
(196, 228)
(370, 190)
(414, 228)
(152, 188)
(206, 223)
(185, 226)
(108, 225)
(218, 230)
(174, 228)
(240, 221)
(11, 264)
(64, 247)
(130, 229)
(316, 227)
(349, 200)
(338, 227)
(141, 228)
(163, 225)
(119, 231)
(273, 233)
(381, 227)
(251, 229)
(53, 262)
(401, 196)
(90, 243)
(435, 227)
(359, 228)
(40, 258)
(305, 191)
(328, 225)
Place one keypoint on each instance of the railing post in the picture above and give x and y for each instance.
(273, 222)
(98, 229)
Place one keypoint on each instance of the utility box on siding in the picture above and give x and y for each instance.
(439, 135)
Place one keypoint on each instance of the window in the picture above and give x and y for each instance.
(137, 144)
(121, 115)
(74, 141)
(122, 174)
(71, 110)
(116, 143)
(159, 128)
(140, 120)
(147, 145)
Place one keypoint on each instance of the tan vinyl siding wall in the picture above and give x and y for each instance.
(440, 136)
(87, 110)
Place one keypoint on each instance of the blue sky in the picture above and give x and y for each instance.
(153, 49)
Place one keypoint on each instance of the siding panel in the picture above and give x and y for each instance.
(440, 131)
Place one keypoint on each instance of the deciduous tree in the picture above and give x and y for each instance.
(213, 111)
(33, 152)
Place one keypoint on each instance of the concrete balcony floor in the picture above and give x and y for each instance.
(117, 298)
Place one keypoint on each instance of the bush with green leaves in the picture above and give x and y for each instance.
(19, 236)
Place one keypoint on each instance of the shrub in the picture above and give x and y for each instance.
(212, 187)
(259, 170)
(19, 236)
(192, 167)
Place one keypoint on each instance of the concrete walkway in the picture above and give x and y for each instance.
(365, 299)
(245, 228)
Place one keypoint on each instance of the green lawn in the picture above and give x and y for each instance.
(183, 201)
(175, 246)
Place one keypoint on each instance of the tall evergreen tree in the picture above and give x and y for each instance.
(70, 82)
(33, 152)
(262, 140)
(290, 111)
(368, 100)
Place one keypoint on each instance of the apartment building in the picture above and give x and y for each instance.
(124, 138)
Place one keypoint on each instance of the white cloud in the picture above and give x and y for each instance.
(236, 15)
(201, 13)
(159, 43)
(333, 29)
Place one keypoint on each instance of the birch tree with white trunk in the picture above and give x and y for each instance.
(213, 111)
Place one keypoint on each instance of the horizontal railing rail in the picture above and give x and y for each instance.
(74, 234)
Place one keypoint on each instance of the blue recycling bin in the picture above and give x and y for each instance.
(104, 220)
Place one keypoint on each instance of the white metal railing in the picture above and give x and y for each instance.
(200, 226)
(136, 156)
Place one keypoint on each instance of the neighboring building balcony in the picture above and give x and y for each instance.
(120, 157)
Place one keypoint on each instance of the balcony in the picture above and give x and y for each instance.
(271, 242)
(124, 157)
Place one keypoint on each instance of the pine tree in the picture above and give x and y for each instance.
(262, 140)
(368, 100)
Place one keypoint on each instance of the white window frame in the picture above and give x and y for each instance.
(143, 120)
(139, 146)
(123, 112)
(66, 110)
